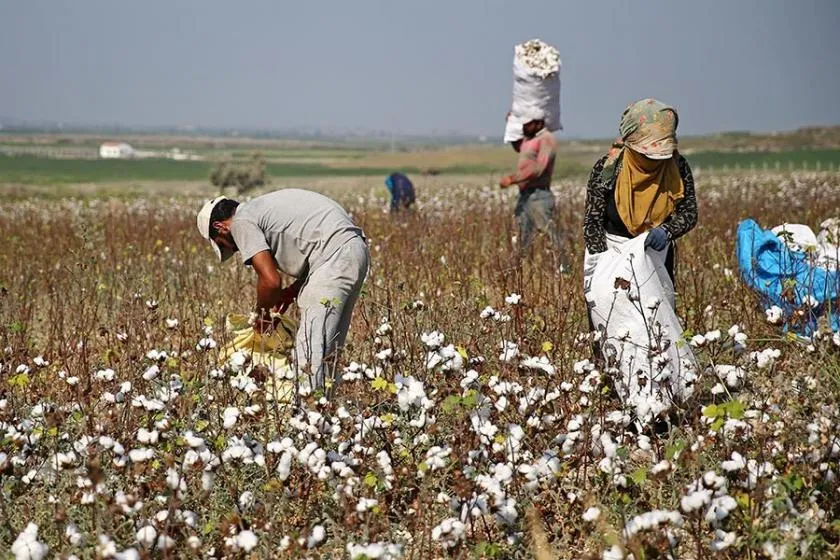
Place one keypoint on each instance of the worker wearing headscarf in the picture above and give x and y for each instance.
(642, 185)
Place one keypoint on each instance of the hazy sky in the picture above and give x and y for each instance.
(419, 66)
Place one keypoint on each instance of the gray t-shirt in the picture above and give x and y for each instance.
(301, 228)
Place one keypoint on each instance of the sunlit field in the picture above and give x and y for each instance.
(469, 419)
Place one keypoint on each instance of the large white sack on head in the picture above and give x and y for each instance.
(631, 301)
(536, 88)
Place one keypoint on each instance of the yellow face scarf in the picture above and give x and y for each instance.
(646, 191)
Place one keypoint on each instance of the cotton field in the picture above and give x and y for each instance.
(469, 418)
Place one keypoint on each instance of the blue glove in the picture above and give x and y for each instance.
(657, 239)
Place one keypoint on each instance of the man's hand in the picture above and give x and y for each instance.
(286, 297)
(506, 181)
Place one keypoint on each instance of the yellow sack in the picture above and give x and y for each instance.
(271, 350)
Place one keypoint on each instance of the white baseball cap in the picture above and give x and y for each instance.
(203, 223)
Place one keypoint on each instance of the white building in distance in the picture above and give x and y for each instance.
(116, 150)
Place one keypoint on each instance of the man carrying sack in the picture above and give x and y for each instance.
(309, 237)
(534, 115)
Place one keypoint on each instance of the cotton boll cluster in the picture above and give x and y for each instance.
(27, 546)
(766, 358)
(374, 551)
(449, 532)
(541, 58)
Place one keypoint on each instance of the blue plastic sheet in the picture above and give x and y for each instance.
(787, 279)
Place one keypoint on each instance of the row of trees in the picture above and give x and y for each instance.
(241, 175)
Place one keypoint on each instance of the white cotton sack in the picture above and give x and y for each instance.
(536, 88)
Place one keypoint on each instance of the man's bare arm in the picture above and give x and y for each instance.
(269, 282)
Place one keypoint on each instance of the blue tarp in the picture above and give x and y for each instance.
(786, 278)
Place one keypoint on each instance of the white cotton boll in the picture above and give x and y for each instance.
(449, 532)
(207, 479)
(40, 361)
(316, 537)
(695, 500)
(774, 315)
(510, 351)
(540, 364)
(165, 542)
(698, 340)
(206, 343)
(712, 336)
(736, 463)
(433, 339)
(106, 548)
(513, 299)
(105, 374)
(366, 504)
(246, 541)
(147, 437)
(230, 415)
(141, 454)
(591, 514)
(765, 358)
(613, 553)
(661, 467)
(173, 479)
(146, 536)
(246, 499)
(27, 547)
(151, 373)
(723, 540)
(128, 554)
(172, 323)
(487, 312)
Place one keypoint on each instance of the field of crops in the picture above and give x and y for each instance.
(469, 422)
(571, 161)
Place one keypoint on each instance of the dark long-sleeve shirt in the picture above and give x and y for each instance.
(601, 216)
(402, 191)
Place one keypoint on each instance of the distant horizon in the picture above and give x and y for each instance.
(12, 126)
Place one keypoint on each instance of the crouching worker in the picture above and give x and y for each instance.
(309, 237)
(535, 206)
(401, 190)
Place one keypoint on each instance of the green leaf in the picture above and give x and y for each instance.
(639, 475)
(379, 384)
(735, 409)
(463, 352)
(673, 450)
(712, 411)
(16, 327)
(718, 424)
(208, 528)
(450, 403)
(370, 479)
(20, 380)
(622, 452)
(470, 399)
(201, 425)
